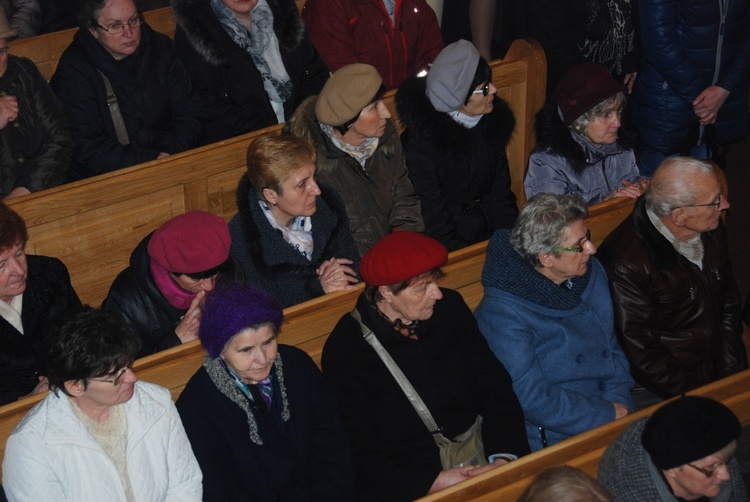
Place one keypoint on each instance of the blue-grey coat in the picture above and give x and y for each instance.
(558, 344)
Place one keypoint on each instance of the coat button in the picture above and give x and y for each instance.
(605, 353)
(579, 358)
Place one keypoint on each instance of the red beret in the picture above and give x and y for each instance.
(401, 256)
(190, 243)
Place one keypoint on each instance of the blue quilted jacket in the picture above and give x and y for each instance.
(687, 45)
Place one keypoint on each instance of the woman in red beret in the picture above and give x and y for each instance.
(433, 338)
(159, 295)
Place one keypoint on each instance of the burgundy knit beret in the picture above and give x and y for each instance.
(582, 88)
(232, 308)
(401, 256)
(190, 243)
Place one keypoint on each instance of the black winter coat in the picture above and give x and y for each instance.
(304, 458)
(230, 85)
(461, 175)
(456, 375)
(135, 296)
(160, 110)
(271, 263)
(679, 326)
(36, 148)
(49, 296)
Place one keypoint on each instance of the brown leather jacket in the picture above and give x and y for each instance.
(679, 326)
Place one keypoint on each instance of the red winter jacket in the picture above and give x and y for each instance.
(360, 31)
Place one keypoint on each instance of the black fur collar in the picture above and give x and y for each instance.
(208, 38)
(421, 120)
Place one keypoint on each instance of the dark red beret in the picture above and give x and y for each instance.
(582, 88)
(190, 243)
(401, 256)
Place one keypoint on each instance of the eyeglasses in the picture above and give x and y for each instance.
(576, 249)
(713, 469)
(717, 203)
(484, 90)
(116, 380)
(4, 50)
(118, 27)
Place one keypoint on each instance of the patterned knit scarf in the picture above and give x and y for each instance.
(225, 383)
(262, 45)
(611, 35)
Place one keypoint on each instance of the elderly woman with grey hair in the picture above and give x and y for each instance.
(261, 418)
(581, 148)
(548, 317)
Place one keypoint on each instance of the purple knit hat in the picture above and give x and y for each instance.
(230, 309)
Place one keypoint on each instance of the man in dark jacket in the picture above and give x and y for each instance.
(156, 112)
(35, 144)
(677, 308)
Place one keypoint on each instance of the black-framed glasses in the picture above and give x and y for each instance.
(716, 203)
(576, 249)
(709, 472)
(116, 381)
(118, 26)
(4, 50)
(484, 90)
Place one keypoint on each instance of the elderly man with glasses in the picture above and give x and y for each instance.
(677, 308)
(683, 452)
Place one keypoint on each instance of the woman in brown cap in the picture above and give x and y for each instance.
(433, 338)
(159, 295)
(359, 153)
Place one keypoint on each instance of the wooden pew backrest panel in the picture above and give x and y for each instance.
(93, 225)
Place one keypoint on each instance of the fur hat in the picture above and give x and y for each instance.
(688, 429)
(232, 308)
(582, 88)
(190, 243)
(400, 256)
(451, 74)
(346, 93)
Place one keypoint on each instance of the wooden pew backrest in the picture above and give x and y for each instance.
(583, 451)
(308, 325)
(94, 224)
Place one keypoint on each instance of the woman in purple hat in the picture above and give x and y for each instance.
(261, 419)
(581, 148)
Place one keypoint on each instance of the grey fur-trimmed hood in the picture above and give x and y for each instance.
(304, 124)
(202, 29)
